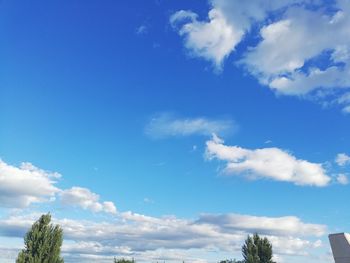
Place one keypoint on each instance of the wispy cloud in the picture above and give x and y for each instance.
(147, 200)
(269, 163)
(167, 125)
(342, 159)
(342, 179)
(141, 30)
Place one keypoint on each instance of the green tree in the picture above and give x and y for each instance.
(42, 243)
(123, 260)
(257, 250)
(230, 261)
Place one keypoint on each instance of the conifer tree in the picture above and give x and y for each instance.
(42, 243)
(257, 250)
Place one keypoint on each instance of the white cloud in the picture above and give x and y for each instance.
(165, 125)
(141, 30)
(213, 40)
(8, 254)
(84, 198)
(147, 200)
(93, 248)
(293, 246)
(271, 163)
(26, 184)
(346, 109)
(109, 207)
(289, 44)
(342, 159)
(301, 50)
(170, 238)
(344, 100)
(274, 226)
(343, 179)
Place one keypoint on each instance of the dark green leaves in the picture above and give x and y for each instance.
(42, 243)
(257, 250)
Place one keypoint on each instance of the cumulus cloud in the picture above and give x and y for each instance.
(294, 54)
(171, 238)
(84, 198)
(270, 163)
(213, 40)
(165, 125)
(342, 159)
(26, 184)
(16, 226)
(216, 37)
(287, 63)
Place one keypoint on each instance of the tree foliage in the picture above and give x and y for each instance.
(257, 250)
(123, 260)
(42, 243)
(230, 261)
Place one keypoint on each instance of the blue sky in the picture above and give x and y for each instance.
(185, 125)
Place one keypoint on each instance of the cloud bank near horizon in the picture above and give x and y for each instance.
(158, 238)
(172, 238)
